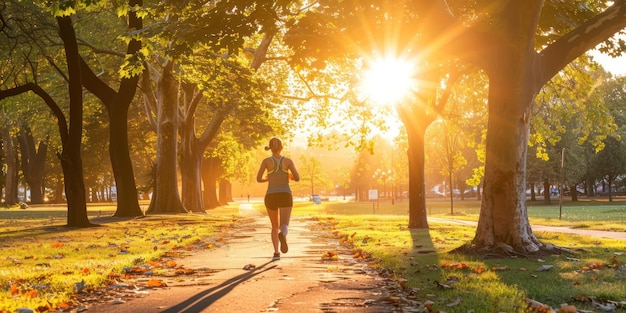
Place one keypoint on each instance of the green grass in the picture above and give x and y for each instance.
(42, 262)
(601, 215)
(422, 257)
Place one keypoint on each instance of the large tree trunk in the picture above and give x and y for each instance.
(165, 198)
(117, 104)
(225, 192)
(503, 217)
(416, 118)
(10, 157)
(71, 160)
(33, 163)
(209, 180)
(417, 190)
(190, 169)
(127, 196)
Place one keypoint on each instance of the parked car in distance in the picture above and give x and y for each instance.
(579, 192)
(435, 192)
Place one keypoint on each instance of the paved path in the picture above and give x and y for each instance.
(299, 282)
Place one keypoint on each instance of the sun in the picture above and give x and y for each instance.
(388, 80)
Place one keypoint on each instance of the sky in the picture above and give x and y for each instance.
(616, 66)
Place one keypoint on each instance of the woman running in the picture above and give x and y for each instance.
(278, 197)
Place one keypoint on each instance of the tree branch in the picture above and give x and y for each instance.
(56, 110)
(213, 128)
(586, 36)
(96, 86)
(149, 98)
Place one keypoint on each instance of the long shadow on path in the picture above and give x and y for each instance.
(204, 299)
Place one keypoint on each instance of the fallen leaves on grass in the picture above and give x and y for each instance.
(361, 255)
(536, 306)
(156, 283)
(455, 265)
(330, 256)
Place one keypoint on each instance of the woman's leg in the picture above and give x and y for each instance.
(273, 215)
(285, 216)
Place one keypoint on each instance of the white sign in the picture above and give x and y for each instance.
(373, 194)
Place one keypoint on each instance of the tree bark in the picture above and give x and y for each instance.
(503, 218)
(127, 195)
(416, 116)
(193, 148)
(71, 160)
(547, 191)
(117, 104)
(225, 192)
(166, 198)
(209, 179)
(417, 190)
(10, 157)
(573, 193)
(58, 192)
(33, 163)
(190, 169)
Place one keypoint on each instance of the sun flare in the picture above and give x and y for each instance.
(388, 80)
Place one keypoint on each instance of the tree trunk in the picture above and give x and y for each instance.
(166, 199)
(503, 216)
(10, 186)
(33, 163)
(58, 192)
(127, 196)
(609, 180)
(573, 193)
(547, 191)
(209, 180)
(225, 192)
(417, 191)
(117, 104)
(190, 169)
(71, 160)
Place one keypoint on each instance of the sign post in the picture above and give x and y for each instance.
(373, 196)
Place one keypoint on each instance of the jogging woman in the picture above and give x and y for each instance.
(278, 198)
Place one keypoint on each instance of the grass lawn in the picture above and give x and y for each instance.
(595, 275)
(42, 264)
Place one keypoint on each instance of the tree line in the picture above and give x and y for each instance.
(213, 82)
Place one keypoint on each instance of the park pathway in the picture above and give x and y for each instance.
(243, 278)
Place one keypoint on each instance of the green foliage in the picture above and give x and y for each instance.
(570, 102)
(62, 8)
(313, 178)
(177, 28)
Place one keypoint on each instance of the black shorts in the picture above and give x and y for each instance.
(273, 201)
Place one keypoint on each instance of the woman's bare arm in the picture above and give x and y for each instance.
(259, 174)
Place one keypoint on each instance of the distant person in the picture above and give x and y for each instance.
(278, 197)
